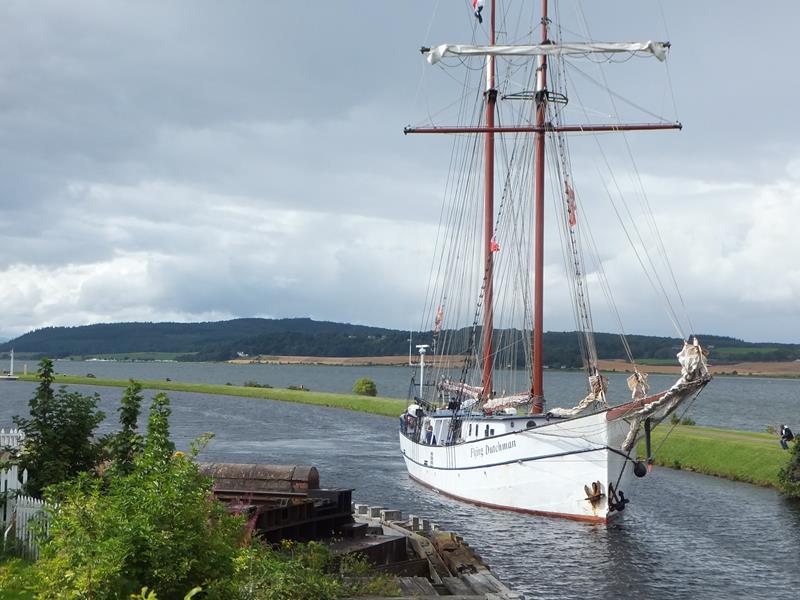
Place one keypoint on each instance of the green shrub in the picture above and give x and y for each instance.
(674, 419)
(18, 579)
(293, 571)
(157, 526)
(365, 387)
(255, 384)
(789, 476)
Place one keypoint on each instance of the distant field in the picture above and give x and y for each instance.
(657, 361)
(133, 356)
(666, 365)
(755, 369)
(353, 361)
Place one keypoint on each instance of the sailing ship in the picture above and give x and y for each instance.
(481, 433)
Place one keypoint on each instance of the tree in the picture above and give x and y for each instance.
(59, 435)
(158, 444)
(127, 443)
(365, 387)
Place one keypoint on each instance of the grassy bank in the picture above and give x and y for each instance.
(390, 407)
(736, 455)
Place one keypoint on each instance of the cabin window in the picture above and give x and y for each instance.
(470, 429)
(512, 424)
(530, 424)
(486, 432)
(491, 432)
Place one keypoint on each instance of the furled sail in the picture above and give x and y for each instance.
(694, 375)
(657, 49)
(599, 387)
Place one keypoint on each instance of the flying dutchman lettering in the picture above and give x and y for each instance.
(488, 449)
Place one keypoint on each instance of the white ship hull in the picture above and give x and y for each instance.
(543, 470)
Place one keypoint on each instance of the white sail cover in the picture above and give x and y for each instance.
(694, 371)
(657, 49)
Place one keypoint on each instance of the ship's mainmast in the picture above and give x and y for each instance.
(488, 218)
(537, 389)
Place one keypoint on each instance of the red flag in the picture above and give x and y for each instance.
(477, 5)
(494, 246)
(437, 325)
(571, 208)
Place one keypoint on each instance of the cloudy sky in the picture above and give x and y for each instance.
(197, 160)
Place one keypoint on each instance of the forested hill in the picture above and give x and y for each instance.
(305, 337)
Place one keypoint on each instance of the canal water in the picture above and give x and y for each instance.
(683, 535)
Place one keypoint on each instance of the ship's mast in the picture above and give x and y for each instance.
(539, 128)
(537, 390)
(488, 218)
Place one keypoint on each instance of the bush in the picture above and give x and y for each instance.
(307, 571)
(675, 420)
(365, 387)
(156, 526)
(255, 384)
(18, 579)
(789, 476)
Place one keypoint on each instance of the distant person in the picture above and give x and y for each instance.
(786, 437)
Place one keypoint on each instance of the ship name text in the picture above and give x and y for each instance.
(488, 449)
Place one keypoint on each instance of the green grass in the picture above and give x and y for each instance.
(736, 455)
(390, 407)
(16, 577)
(658, 361)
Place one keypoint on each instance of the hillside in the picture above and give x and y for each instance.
(305, 337)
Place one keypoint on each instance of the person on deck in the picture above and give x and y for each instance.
(786, 437)
(430, 439)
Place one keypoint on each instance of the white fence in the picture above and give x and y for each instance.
(31, 517)
(18, 513)
(20, 518)
(11, 438)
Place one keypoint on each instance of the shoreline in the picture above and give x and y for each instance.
(746, 456)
